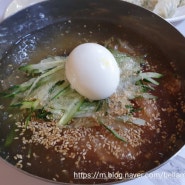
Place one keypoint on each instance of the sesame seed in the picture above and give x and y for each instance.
(28, 164)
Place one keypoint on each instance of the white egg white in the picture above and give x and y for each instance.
(92, 71)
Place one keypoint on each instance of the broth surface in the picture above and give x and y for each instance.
(92, 154)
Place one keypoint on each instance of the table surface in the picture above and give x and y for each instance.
(172, 172)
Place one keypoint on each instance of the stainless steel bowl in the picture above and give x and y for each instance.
(138, 23)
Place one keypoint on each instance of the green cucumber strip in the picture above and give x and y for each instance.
(42, 76)
(43, 66)
(17, 89)
(69, 114)
(63, 89)
(27, 105)
(10, 137)
(111, 130)
(149, 77)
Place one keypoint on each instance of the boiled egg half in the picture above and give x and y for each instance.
(92, 71)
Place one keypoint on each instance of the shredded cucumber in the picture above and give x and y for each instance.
(70, 112)
(43, 65)
(48, 91)
(27, 105)
(111, 130)
(149, 77)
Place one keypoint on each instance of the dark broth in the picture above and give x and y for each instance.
(60, 39)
